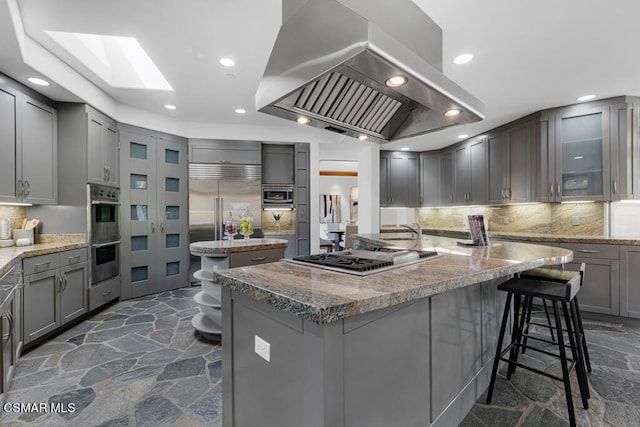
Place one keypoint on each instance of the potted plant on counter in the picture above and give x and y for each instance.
(276, 217)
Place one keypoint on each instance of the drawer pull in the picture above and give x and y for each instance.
(260, 258)
(73, 259)
(42, 266)
(588, 251)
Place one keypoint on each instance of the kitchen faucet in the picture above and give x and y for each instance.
(414, 228)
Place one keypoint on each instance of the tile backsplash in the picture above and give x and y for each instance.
(583, 219)
(287, 221)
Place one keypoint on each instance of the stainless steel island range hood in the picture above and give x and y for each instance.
(366, 68)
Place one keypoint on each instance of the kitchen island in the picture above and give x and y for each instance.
(223, 254)
(408, 346)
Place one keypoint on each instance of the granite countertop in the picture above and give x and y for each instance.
(532, 237)
(223, 247)
(323, 296)
(11, 255)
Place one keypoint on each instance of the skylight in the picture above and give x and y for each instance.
(120, 61)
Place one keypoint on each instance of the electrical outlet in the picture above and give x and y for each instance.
(262, 348)
(505, 220)
(575, 220)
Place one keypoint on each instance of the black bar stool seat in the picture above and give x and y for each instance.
(561, 276)
(560, 295)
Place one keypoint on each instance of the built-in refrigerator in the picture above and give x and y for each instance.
(215, 191)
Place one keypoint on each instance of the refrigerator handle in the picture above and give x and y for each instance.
(216, 225)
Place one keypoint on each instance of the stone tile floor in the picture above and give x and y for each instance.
(529, 399)
(140, 363)
(137, 363)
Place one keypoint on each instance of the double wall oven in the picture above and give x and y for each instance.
(104, 231)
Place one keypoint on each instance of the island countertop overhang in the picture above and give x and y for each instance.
(323, 296)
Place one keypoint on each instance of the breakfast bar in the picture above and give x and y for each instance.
(411, 345)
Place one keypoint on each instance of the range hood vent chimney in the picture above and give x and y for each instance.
(332, 62)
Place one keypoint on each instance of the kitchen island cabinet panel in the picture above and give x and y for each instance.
(630, 281)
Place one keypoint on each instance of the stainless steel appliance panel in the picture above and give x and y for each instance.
(278, 196)
(104, 205)
(105, 261)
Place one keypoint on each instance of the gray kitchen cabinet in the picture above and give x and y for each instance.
(263, 256)
(28, 149)
(10, 314)
(509, 164)
(88, 151)
(403, 178)
(55, 292)
(446, 177)
(154, 212)
(291, 249)
(470, 172)
(302, 197)
(430, 176)
(384, 178)
(624, 134)
(630, 281)
(573, 154)
(224, 151)
(102, 149)
(277, 164)
(600, 292)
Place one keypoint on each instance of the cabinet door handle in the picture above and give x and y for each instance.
(153, 227)
(260, 258)
(27, 188)
(615, 186)
(161, 227)
(588, 251)
(551, 189)
(19, 187)
(558, 189)
(41, 266)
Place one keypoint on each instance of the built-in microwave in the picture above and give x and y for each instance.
(277, 196)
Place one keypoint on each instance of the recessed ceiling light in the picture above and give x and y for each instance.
(462, 59)
(396, 81)
(303, 120)
(453, 112)
(578, 157)
(39, 82)
(462, 135)
(405, 148)
(227, 62)
(240, 110)
(586, 98)
(170, 107)
(363, 137)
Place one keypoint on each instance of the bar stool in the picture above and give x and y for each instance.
(564, 277)
(559, 295)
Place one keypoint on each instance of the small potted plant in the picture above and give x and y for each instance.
(276, 217)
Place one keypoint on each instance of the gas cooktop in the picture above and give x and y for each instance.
(362, 262)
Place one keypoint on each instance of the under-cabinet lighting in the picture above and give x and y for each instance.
(578, 201)
(278, 209)
(578, 157)
(14, 204)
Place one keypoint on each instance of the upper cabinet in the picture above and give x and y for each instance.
(277, 164)
(224, 151)
(470, 176)
(399, 178)
(583, 152)
(430, 176)
(102, 149)
(28, 149)
(509, 164)
(88, 151)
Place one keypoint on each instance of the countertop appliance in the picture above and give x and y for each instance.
(363, 68)
(363, 262)
(278, 196)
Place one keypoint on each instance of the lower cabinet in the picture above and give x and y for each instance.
(55, 291)
(10, 314)
(600, 292)
(630, 281)
(263, 256)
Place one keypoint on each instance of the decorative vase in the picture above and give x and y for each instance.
(246, 223)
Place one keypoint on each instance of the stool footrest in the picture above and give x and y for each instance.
(531, 368)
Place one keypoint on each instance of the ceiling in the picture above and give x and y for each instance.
(528, 55)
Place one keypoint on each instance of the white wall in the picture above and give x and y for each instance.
(624, 219)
